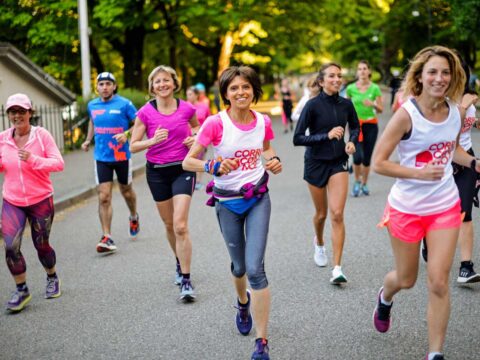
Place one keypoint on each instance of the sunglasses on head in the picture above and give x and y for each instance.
(17, 111)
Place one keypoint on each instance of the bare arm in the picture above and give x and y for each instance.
(195, 126)
(139, 130)
(88, 140)
(273, 163)
(399, 125)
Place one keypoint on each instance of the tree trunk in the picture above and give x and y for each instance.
(132, 53)
(228, 43)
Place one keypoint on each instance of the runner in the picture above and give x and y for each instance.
(27, 156)
(466, 180)
(311, 90)
(239, 136)
(287, 105)
(424, 200)
(326, 161)
(368, 101)
(168, 123)
(202, 111)
(110, 117)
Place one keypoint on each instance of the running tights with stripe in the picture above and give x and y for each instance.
(14, 218)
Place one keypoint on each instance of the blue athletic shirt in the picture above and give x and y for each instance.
(110, 118)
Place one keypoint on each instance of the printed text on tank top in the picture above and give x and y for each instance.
(440, 152)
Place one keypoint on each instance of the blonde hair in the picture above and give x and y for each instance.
(165, 69)
(414, 87)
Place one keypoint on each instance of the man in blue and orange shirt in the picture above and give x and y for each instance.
(111, 116)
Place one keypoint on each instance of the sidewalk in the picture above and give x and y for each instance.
(77, 181)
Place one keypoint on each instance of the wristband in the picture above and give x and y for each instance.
(275, 157)
(127, 134)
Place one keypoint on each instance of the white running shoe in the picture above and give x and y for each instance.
(320, 255)
(337, 276)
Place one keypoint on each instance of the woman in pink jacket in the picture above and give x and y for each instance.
(27, 156)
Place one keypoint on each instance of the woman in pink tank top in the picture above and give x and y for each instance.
(434, 81)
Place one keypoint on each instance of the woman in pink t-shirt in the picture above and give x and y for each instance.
(168, 124)
(240, 137)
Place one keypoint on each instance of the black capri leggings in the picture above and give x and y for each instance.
(466, 180)
(364, 152)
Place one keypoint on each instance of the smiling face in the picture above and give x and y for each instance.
(20, 118)
(239, 93)
(163, 85)
(332, 80)
(106, 89)
(435, 77)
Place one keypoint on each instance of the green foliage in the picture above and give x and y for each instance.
(133, 36)
(138, 98)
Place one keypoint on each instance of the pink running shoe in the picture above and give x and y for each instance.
(381, 315)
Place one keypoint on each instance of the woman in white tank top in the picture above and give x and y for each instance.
(240, 138)
(424, 200)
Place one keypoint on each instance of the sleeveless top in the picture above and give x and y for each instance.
(428, 141)
(246, 147)
(466, 135)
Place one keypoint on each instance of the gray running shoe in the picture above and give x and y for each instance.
(187, 293)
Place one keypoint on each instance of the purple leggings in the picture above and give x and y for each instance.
(14, 218)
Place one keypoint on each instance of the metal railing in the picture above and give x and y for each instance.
(61, 121)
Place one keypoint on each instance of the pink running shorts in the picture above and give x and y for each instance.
(413, 228)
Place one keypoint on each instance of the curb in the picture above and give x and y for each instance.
(74, 198)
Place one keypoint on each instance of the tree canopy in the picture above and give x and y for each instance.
(201, 37)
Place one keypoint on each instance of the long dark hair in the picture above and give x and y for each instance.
(321, 72)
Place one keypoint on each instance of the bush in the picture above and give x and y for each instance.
(138, 98)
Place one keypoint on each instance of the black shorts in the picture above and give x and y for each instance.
(104, 171)
(466, 180)
(318, 172)
(166, 181)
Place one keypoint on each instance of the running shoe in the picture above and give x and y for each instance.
(187, 293)
(381, 315)
(436, 357)
(337, 276)
(134, 228)
(356, 188)
(261, 350)
(424, 250)
(53, 288)
(365, 190)
(320, 255)
(106, 245)
(18, 301)
(467, 275)
(243, 318)
(178, 276)
(198, 186)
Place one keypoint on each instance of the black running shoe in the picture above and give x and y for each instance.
(467, 275)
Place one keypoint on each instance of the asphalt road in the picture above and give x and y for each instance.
(124, 306)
